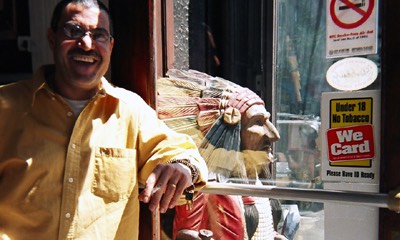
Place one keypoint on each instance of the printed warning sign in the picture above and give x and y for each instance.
(351, 143)
(351, 28)
(350, 139)
(345, 113)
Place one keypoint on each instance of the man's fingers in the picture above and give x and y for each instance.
(155, 187)
(166, 198)
(165, 186)
(150, 187)
(175, 198)
(163, 173)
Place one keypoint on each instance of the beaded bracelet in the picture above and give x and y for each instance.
(193, 169)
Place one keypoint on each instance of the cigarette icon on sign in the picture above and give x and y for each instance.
(346, 6)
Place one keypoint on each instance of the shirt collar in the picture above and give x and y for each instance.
(39, 80)
(108, 88)
(42, 80)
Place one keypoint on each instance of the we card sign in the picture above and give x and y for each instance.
(351, 143)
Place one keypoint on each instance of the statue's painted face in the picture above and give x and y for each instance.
(257, 135)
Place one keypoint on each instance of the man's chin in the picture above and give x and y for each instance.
(85, 82)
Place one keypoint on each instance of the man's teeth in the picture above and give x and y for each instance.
(88, 59)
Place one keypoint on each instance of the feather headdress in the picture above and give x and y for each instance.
(209, 110)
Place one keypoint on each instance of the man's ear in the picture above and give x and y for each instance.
(51, 38)
(111, 43)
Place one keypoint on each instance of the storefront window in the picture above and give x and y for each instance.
(307, 48)
(278, 50)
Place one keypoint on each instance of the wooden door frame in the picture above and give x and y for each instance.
(141, 55)
(390, 117)
(135, 60)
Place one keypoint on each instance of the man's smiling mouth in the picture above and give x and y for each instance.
(87, 59)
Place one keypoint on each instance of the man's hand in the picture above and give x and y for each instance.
(165, 185)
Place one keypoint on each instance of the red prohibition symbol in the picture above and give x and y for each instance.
(351, 7)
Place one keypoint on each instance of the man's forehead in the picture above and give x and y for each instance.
(90, 15)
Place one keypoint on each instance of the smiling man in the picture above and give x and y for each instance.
(82, 56)
(74, 149)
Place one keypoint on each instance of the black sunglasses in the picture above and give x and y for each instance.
(76, 32)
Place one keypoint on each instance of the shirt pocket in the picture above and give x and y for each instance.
(114, 173)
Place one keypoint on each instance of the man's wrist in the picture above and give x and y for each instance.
(193, 169)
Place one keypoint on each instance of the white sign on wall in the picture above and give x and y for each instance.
(351, 28)
(350, 125)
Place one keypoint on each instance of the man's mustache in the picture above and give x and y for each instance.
(79, 51)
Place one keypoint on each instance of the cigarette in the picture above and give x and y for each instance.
(155, 190)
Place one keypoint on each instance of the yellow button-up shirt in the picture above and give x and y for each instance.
(82, 174)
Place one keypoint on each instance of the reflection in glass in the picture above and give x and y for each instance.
(238, 40)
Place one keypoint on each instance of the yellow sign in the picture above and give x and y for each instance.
(351, 112)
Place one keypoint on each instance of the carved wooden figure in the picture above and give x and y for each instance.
(233, 131)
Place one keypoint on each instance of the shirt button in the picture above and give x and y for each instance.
(67, 215)
(69, 114)
(53, 98)
(106, 152)
(70, 180)
(73, 146)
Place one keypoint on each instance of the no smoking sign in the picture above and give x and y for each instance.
(349, 14)
(351, 27)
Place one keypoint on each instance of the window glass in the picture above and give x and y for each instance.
(300, 79)
(301, 69)
(276, 49)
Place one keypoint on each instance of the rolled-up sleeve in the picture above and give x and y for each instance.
(158, 143)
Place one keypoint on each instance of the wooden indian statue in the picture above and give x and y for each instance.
(232, 129)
